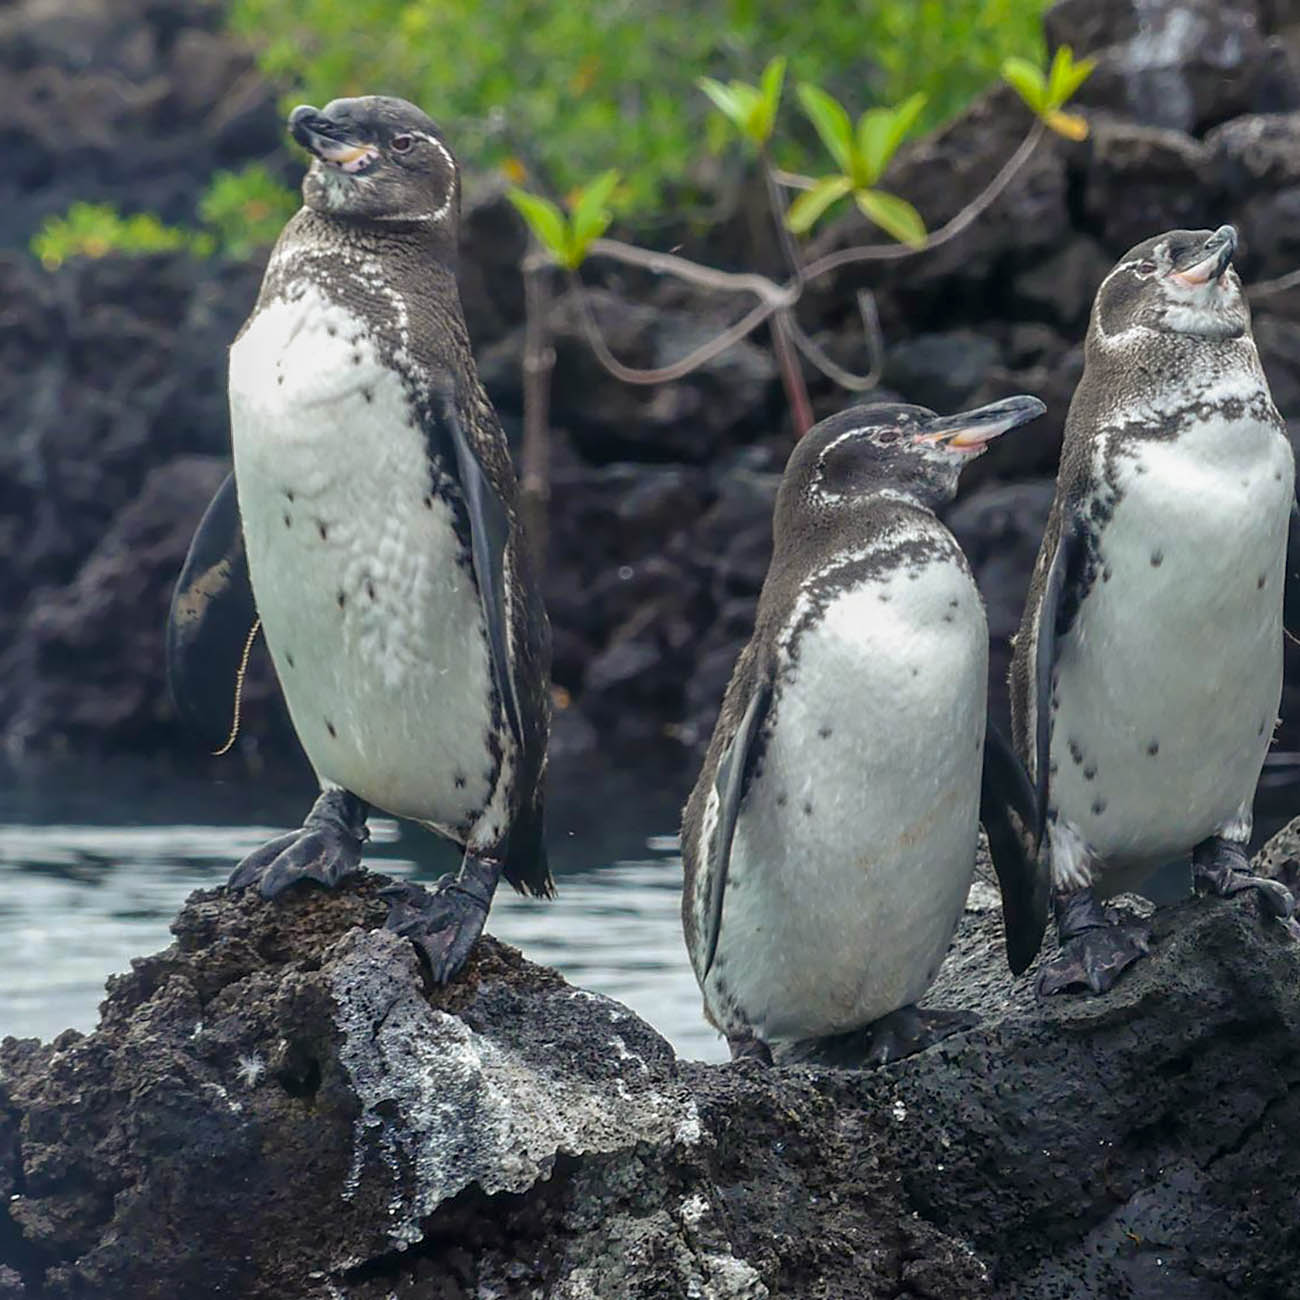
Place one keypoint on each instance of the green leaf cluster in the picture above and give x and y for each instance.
(750, 109)
(565, 91)
(1048, 92)
(862, 154)
(246, 210)
(242, 212)
(97, 229)
(567, 238)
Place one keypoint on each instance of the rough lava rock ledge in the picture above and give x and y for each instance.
(279, 1105)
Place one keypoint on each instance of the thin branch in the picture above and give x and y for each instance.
(665, 374)
(539, 361)
(834, 372)
(1266, 288)
(792, 180)
(771, 293)
(950, 230)
(776, 201)
(787, 357)
(775, 297)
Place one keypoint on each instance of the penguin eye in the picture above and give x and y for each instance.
(401, 143)
(1146, 268)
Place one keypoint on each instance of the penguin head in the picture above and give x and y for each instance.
(377, 160)
(1181, 282)
(906, 450)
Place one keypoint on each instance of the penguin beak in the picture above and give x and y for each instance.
(970, 431)
(329, 140)
(1213, 260)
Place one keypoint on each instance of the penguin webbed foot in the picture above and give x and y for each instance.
(901, 1033)
(326, 849)
(1095, 949)
(1221, 867)
(748, 1047)
(444, 922)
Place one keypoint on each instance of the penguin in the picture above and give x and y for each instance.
(1147, 671)
(371, 525)
(830, 840)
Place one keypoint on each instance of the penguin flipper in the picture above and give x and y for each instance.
(1291, 578)
(1008, 811)
(1055, 615)
(211, 621)
(489, 531)
(733, 770)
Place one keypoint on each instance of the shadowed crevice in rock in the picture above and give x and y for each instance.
(281, 1105)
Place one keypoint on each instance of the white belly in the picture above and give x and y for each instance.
(1169, 684)
(375, 627)
(855, 843)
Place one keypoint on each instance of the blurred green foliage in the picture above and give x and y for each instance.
(571, 90)
(241, 212)
(96, 229)
(245, 210)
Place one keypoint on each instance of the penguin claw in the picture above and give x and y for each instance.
(748, 1047)
(1291, 926)
(910, 1030)
(1222, 868)
(900, 1033)
(1094, 960)
(325, 849)
(444, 922)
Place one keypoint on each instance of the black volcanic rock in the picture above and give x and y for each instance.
(280, 1106)
(1143, 180)
(133, 104)
(87, 660)
(1183, 64)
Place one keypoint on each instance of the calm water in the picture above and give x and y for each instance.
(94, 863)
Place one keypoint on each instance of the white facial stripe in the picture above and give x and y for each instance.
(933, 450)
(445, 207)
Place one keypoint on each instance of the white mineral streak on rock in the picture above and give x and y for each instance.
(444, 1107)
(693, 1209)
(689, 1131)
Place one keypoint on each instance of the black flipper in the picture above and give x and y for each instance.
(1291, 578)
(1008, 811)
(730, 781)
(211, 620)
(1055, 615)
(489, 531)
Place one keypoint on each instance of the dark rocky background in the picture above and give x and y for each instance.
(112, 401)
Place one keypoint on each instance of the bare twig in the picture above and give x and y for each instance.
(792, 180)
(1266, 288)
(539, 360)
(707, 277)
(664, 374)
(791, 374)
(776, 201)
(777, 301)
(950, 230)
(836, 373)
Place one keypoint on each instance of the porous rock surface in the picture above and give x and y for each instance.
(279, 1106)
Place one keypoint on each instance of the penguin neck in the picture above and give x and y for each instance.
(1177, 371)
(366, 266)
(807, 538)
(433, 247)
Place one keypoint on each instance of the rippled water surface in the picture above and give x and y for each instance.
(94, 863)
